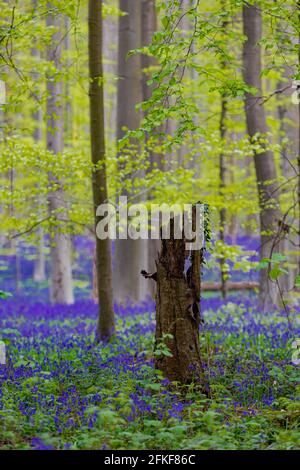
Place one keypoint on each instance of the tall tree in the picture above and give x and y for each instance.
(110, 64)
(61, 261)
(288, 140)
(7, 128)
(68, 101)
(264, 160)
(39, 273)
(106, 321)
(222, 171)
(298, 153)
(130, 255)
(149, 27)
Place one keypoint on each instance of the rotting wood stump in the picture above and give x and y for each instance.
(178, 311)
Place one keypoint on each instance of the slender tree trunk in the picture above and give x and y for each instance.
(130, 255)
(222, 170)
(185, 26)
(264, 161)
(61, 263)
(233, 216)
(6, 129)
(110, 53)
(39, 272)
(148, 28)
(106, 322)
(68, 101)
(298, 155)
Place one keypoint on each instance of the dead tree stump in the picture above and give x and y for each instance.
(178, 311)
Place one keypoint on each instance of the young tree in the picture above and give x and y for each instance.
(264, 160)
(106, 322)
(223, 170)
(61, 261)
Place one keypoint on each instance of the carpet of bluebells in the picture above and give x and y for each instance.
(59, 390)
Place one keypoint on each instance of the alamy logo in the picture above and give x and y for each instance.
(144, 222)
(2, 353)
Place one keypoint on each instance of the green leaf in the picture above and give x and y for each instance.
(5, 295)
(278, 257)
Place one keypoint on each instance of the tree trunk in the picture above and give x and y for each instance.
(186, 26)
(110, 53)
(149, 27)
(106, 323)
(68, 101)
(298, 152)
(39, 272)
(60, 255)
(222, 171)
(130, 255)
(177, 347)
(288, 129)
(264, 162)
(6, 128)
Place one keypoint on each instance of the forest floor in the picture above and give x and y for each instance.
(61, 391)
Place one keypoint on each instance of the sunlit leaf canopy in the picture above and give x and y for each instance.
(197, 62)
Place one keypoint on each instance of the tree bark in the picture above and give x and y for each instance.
(149, 27)
(264, 161)
(110, 53)
(298, 153)
(39, 272)
(130, 255)
(288, 129)
(106, 323)
(222, 173)
(178, 312)
(61, 261)
(68, 101)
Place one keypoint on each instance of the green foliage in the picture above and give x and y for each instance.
(129, 403)
(188, 81)
(275, 265)
(4, 295)
(162, 348)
